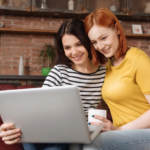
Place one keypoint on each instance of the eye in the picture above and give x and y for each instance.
(104, 37)
(66, 47)
(78, 44)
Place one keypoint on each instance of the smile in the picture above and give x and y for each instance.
(105, 51)
(77, 58)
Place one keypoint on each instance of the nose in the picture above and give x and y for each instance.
(74, 51)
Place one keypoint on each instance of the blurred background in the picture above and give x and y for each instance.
(28, 28)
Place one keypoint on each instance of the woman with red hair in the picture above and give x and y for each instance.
(126, 88)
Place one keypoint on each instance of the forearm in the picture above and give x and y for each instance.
(140, 123)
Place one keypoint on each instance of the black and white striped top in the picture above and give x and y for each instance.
(89, 84)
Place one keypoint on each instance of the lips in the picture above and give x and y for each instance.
(105, 51)
(77, 58)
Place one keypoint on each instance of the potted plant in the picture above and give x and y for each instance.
(47, 56)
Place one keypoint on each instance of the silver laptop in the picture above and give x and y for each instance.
(47, 115)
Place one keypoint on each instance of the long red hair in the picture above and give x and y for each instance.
(104, 17)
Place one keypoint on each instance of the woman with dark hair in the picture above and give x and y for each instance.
(74, 64)
(74, 67)
(126, 88)
(71, 28)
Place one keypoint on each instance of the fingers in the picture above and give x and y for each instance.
(103, 119)
(10, 134)
(96, 123)
(7, 126)
(9, 142)
(107, 124)
(14, 136)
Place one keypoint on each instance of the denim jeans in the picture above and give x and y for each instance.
(115, 140)
(121, 140)
(44, 146)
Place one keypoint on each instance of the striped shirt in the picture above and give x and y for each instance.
(89, 84)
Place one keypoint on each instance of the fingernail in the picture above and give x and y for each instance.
(18, 129)
(89, 123)
(93, 116)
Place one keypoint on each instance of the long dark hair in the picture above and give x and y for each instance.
(73, 27)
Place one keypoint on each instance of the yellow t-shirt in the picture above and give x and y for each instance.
(125, 85)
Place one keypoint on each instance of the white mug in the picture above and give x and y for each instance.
(91, 112)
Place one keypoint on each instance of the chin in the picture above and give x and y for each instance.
(78, 63)
(108, 55)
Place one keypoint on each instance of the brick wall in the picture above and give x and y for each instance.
(14, 45)
(144, 42)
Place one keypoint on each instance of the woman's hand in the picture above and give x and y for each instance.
(107, 124)
(10, 134)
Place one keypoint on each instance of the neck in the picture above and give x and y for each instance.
(116, 62)
(88, 67)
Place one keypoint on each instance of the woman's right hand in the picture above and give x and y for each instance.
(10, 134)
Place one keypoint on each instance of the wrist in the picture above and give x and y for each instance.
(119, 128)
(115, 128)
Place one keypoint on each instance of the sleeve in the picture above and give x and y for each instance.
(53, 79)
(143, 72)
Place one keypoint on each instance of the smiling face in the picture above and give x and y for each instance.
(104, 39)
(74, 50)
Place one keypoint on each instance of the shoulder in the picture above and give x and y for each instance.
(60, 67)
(101, 69)
(136, 53)
(138, 56)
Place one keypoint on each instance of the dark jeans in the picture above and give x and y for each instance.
(44, 146)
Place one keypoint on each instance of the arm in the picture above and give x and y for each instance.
(10, 134)
(54, 78)
(142, 74)
(142, 79)
(140, 123)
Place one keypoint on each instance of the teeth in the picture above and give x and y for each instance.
(105, 50)
(76, 58)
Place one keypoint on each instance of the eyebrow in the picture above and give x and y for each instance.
(74, 43)
(99, 37)
(103, 35)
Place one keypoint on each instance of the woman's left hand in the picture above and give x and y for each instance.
(107, 124)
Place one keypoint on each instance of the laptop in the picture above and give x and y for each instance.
(47, 115)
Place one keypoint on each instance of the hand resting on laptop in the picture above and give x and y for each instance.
(75, 67)
(10, 134)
